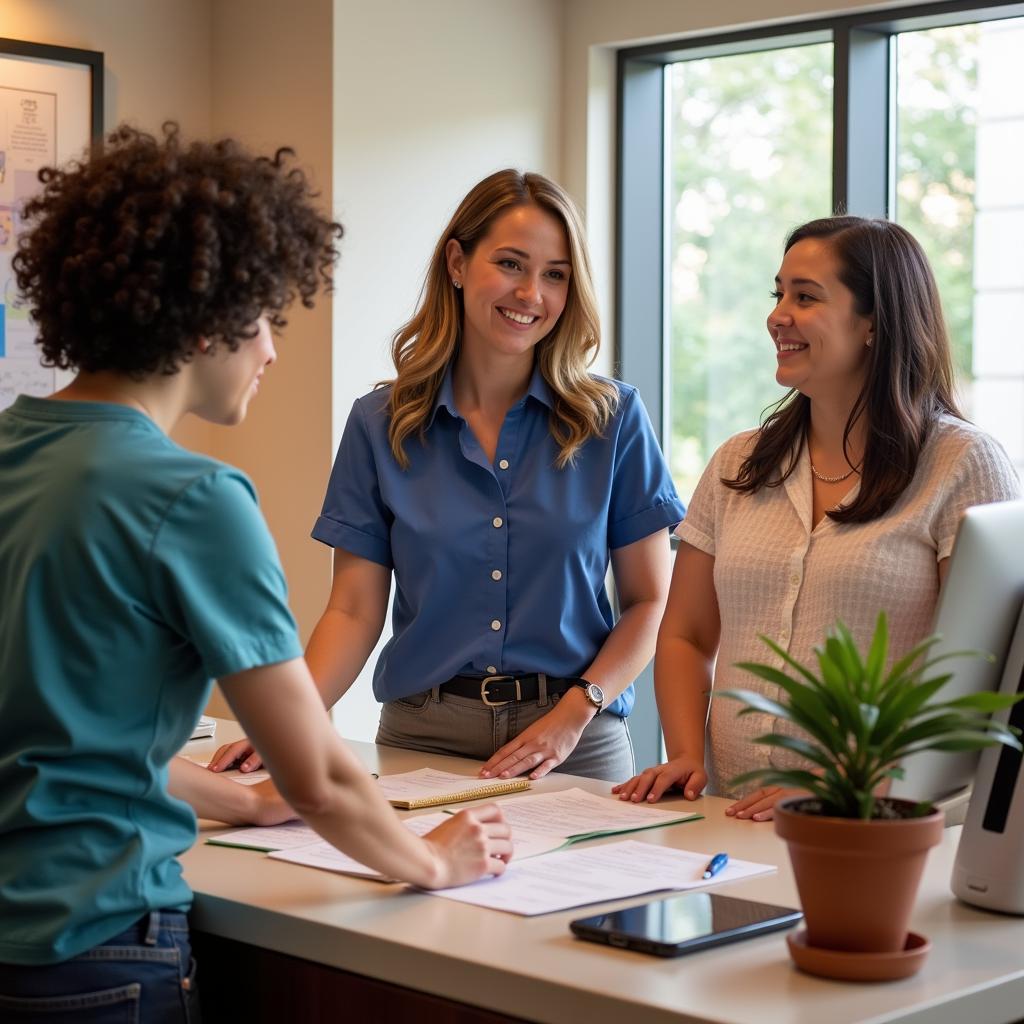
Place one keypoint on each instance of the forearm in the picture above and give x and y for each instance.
(320, 777)
(337, 651)
(627, 649)
(682, 685)
(212, 796)
(622, 657)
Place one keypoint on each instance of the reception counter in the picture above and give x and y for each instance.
(278, 941)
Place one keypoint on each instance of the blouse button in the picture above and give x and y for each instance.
(495, 624)
(491, 670)
(497, 522)
(495, 574)
(795, 579)
(503, 464)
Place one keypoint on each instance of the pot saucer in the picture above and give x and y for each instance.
(837, 963)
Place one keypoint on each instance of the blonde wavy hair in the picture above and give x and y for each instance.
(423, 348)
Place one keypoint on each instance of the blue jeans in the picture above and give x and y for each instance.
(145, 975)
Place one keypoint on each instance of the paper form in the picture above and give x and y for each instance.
(249, 779)
(321, 854)
(575, 815)
(573, 878)
(272, 837)
(242, 778)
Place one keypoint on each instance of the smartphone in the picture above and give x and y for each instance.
(683, 924)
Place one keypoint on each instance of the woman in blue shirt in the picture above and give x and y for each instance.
(496, 478)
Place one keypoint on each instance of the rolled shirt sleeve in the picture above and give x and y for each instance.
(354, 517)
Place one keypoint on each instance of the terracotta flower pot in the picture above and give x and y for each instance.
(857, 879)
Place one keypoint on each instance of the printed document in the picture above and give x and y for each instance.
(596, 874)
(323, 855)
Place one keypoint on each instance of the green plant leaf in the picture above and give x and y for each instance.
(836, 683)
(788, 778)
(958, 743)
(869, 716)
(929, 727)
(797, 746)
(791, 661)
(877, 654)
(902, 666)
(815, 714)
(986, 702)
(859, 722)
(903, 699)
(758, 702)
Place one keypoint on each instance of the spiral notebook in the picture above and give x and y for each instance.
(428, 787)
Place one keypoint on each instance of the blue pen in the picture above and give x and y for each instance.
(716, 864)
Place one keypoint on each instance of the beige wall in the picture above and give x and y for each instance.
(157, 54)
(270, 86)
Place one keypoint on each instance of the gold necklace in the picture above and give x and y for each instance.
(832, 479)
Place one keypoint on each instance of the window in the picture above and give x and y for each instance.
(749, 138)
(729, 142)
(959, 188)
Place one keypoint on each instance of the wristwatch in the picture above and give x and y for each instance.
(593, 693)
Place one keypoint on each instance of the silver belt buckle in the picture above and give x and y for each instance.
(497, 679)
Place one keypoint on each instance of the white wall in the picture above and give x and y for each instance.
(429, 98)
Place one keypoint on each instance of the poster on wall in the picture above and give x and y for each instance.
(50, 113)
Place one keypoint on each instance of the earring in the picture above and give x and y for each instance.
(456, 284)
(870, 341)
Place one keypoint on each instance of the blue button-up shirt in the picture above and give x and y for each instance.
(499, 566)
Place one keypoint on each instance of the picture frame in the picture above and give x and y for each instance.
(51, 111)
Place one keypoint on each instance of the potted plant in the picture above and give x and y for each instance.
(858, 856)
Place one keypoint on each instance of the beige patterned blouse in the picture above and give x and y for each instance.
(775, 575)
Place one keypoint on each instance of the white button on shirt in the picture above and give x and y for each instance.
(847, 571)
(495, 625)
(497, 522)
(495, 574)
(503, 464)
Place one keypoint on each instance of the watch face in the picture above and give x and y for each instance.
(595, 695)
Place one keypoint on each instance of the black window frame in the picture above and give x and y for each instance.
(862, 182)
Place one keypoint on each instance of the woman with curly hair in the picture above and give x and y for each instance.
(133, 572)
(844, 502)
(497, 478)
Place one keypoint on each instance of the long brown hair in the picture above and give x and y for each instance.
(909, 380)
(423, 348)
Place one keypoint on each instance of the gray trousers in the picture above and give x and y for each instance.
(438, 723)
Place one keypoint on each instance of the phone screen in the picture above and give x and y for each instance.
(682, 923)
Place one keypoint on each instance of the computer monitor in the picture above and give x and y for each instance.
(978, 609)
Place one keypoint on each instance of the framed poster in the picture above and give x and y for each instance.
(51, 111)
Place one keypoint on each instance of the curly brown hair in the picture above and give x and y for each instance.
(138, 252)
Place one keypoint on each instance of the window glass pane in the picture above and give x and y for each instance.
(750, 158)
(960, 190)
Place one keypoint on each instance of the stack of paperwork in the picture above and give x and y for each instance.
(544, 875)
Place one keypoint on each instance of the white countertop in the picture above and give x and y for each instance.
(534, 968)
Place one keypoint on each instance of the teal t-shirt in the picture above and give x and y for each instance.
(132, 573)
